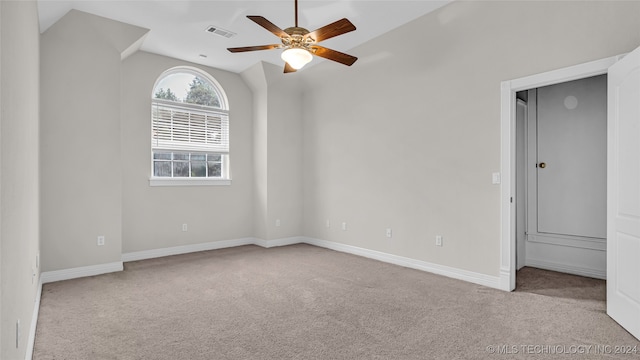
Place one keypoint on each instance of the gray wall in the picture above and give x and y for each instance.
(277, 133)
(409, 136)
(96, 151)
(81, 157)
(256, 80)
(19, 214)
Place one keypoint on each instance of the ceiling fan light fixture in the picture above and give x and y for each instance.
(296, 57)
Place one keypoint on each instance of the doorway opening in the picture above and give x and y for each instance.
(509, 141)
(623, 177)
(561, 172)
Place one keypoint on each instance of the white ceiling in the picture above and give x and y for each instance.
(178, 26)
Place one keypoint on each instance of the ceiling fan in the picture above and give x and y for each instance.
(300, 44)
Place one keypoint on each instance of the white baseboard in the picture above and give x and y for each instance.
(465, 275)
(469, 276)
(66, 274)
(280, 242)
(507, 282)
(185, 249)
(569, 269)
(473, 277)
(213, 245)
(31, 341)
(84, 271)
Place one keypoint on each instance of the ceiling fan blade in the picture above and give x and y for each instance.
(288, 68)
(333, 55)
(334, 29)
(268, 25)
(253, 48)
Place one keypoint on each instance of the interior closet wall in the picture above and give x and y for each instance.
(566, 177)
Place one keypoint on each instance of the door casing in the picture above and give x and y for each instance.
(508, 152)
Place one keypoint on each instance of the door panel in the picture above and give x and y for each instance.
(623, 203)
(571, 128)
(628, 284)
(629, 174)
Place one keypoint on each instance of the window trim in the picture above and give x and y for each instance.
(167, 181)
(225, 180)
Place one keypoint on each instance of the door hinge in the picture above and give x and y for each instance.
(512, 199)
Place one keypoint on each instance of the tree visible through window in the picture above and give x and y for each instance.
(190, 127)
(201, 93)
(167, 95)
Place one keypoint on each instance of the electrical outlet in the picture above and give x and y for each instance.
(328, 225)
(37, 261)
(100, 240)
(277, 222)
(184, 227)
(344, 226)
(389, 232)
(438, 240)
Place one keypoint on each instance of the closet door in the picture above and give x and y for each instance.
(623, 187)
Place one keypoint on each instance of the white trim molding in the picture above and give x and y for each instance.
(185, 249)
(79, 272)
(508, 149)
(158, 181)
(569, 269)
(213, 245)
(469, 276)
(465, 275)
(31, 341)
(279, 242)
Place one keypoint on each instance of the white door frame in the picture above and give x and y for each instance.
(508, 152)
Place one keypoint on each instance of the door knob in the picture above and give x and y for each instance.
(542, 165)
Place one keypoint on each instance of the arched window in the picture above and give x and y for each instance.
(189, 129)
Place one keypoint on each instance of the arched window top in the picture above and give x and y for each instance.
(189, 85)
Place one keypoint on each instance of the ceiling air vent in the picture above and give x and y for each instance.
(221, 32)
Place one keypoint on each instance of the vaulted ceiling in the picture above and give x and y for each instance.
(178, 27)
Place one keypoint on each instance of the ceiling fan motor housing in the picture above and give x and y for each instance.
(296, 38)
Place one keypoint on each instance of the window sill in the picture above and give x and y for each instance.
(188, 182)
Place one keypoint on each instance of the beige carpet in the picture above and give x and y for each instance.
(304, 302)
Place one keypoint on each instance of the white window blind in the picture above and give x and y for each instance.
(189, 127)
